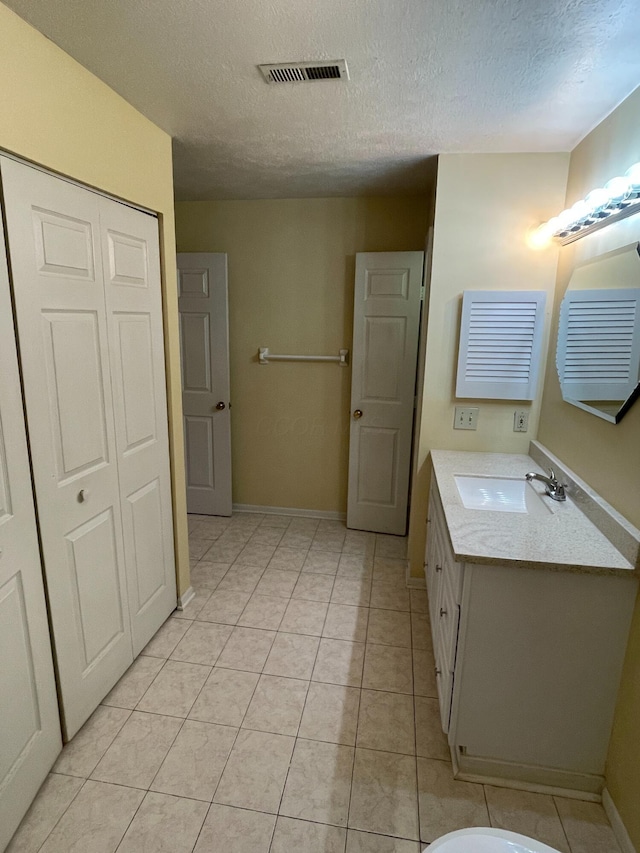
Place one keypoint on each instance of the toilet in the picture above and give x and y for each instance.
(485, 840)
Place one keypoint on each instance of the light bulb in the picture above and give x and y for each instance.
(618, 189)
(597, 199)
(565, 218)
(540, 237)
(554, 225)
(580, 211)
(633, 176)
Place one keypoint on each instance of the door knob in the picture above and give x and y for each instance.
(357, 414)
(220, 406)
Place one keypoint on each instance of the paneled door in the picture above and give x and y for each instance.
(30, 725)
(385, 349)
(53, 230)
(131, 255)
(204, 336)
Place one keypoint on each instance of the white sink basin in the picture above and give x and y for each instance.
(501, 494)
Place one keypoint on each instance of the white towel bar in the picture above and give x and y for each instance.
(264, 357)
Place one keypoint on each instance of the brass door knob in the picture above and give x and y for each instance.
(220, 406)
(357, 414)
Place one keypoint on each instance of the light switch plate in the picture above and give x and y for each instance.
(466, 417)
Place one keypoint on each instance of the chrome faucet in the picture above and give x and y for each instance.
(552, 487)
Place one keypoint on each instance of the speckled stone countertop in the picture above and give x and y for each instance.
(565, 540)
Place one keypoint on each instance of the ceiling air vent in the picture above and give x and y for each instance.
(302, 72)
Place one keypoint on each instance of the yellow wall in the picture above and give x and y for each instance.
(57, 114)
(291, 276)
(607, 456)
(485, 203)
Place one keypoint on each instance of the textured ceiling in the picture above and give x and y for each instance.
(427, 76)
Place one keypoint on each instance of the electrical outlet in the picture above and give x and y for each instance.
(521, 420)
(466, 418)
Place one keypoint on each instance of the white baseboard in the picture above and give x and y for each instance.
(287, 510)
(619, 829)
(183, 600)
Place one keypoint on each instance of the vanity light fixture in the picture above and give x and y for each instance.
(619, 198)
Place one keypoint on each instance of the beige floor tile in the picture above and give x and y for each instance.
(207, 576)
(100, 812)
(224, 607)
(388, 668)
(389, 596)
(198, 547)
(277, 705)
(288, 559)
(270, 536)
(330, 714)
(276, 582)
(424, 674)
(339, 662)
(313, 587)
(231, 830)
(355, 565)
(384, 797)
(586, 827)
(164, 824)
(419, 602)
(247, 649)
(134, 683)
(365, 842)
(256, 555)
(202, 643)
(319, 782)
(139, 749)
(195, 762)
(391, 546)
(80, 756)
(389, 570)
(200, 598)
(431, 741)
(263, 611)
(299, 835)
(389, 628)
(256, 771)
(359, 542)
(386, 722)
(225, 697)
(211, 525)
(346, 622)
(240, 578)
(223, 551)
(297, 541)
(420, 631)
(281, 521)
(304, 617)
(445, 804)
(529, 814)
(166, 638)
(352, 591)
(292, 655)
(328, 543)
(53, 799)
(174, 689)
(321, 563)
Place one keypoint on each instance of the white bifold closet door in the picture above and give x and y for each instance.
(29, 723)
(86, 281)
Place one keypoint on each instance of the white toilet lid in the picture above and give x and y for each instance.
(485, 840)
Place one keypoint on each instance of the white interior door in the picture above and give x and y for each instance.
(385, 347)
(204, 335)
(30, 725)
(56, 264)
(131, 255)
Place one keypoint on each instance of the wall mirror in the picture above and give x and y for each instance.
(598, 352)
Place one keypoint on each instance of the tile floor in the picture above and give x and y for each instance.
(291, 707)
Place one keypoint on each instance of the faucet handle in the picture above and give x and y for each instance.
(552, 475)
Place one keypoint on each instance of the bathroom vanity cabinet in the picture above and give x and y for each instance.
(528, 656)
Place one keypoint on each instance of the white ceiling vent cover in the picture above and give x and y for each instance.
(500, 344)
(303, 72)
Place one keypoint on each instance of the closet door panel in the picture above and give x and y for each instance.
(53, 230)
(131, 254)
(29, 722)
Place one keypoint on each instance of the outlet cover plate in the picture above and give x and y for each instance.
(521, 420)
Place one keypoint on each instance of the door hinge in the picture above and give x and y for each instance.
(422, 290)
